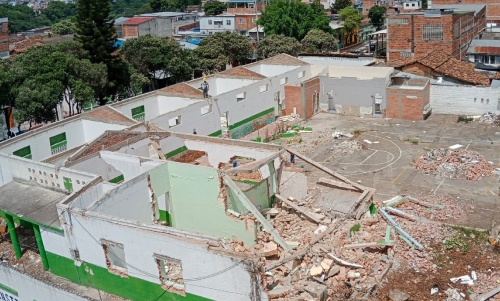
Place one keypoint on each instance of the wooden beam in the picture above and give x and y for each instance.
(251, 207)
(254, 165)
(325, 169)
(298, 209)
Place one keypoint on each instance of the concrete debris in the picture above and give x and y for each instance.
(271, 249)
(489, 118)
(454, 164)
(453, 295)
(326, 264)
(488, 295)
(349, 147)
(343, 262)
(279, 291)
(321, 229)
(434, 290)
(316, 271)
(340, 134)
(397, 295)
(466, 279)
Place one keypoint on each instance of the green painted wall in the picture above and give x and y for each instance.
(246, 126)
(259, 195)
(193, 196)
(118, 179)
(95, 276)
(176, 152)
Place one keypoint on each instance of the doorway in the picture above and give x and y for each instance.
(224, 124)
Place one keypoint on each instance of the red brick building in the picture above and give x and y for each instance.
(4, 38)
(449, 30)
(244, 18)
(408, 99)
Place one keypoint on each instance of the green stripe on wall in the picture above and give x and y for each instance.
(165, 217)
(176, 152)
(251, 118)
(8, 289)
(128, 287)
(216, 134)
(118, 179)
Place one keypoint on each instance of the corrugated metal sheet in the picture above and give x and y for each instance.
(491, 50)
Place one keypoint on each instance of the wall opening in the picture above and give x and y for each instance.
(302, 74)
(115, 257)
(241, 97)
(174, 121)
(206, 109)
(264, 88)
(171, 276)
(284, 81)
(58, 143)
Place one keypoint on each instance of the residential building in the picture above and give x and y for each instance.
(4, 38)
(447, 28)
(118, 25)
(492, 7)
(485, 54)
(412, 5)
(437, 64)
(220, 23)
(245, 18)
(159, 27)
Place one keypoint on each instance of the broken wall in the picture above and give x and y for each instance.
(96, 165)
(149, 101)
(129, 166)
(258, 194)
(464, 100)
(196, 206)
(140, 280)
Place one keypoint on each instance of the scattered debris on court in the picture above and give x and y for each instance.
(454, 164)
(490, 118)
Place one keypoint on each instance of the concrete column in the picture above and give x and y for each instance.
(13, 235)
(41, 248)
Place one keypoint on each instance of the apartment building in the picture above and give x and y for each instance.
(239, 20)
(4, 38)
(447, 28)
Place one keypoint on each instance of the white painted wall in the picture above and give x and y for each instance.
(170, 144)
(44, 174)
(55, 242)
(217, 153)
(131, 200)
(169, 104)
(207, 28)
(30, 288)
(90, 196)
(196, 260)
(459, 100)
(96, 165)
(94, 129)
(128, 165)
(150, 106)
(272, 70)
(139, 148)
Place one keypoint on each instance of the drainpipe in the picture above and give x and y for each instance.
(13, 235)
(41, 248)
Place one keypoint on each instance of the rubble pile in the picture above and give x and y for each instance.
(454, 164)
(489, 118)
(311, 139)
(349, 147)
(453, 212)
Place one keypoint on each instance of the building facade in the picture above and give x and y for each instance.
(4, 38)
(159, 27)
(492, 7)
(447, 29)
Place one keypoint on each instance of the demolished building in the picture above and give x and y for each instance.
(141, 213)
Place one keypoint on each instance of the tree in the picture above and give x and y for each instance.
(152, 56)
(22, 18)
(172, 5)
(58, 10)
(223, 48)
(340, 5)
(273, 45)
(351, 20)
(64, 27)
(97, 35)
(377, 16)
(293, 18)
(214, 8)
(317, 41)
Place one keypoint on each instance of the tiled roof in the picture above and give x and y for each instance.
(447, 66)
(434, 59)
(241, 72)
(283, 59)
(491, 50)
(107, 113)
(182, 89)
(103, 142)
(137, 20)
(463, 71)
(24, 45)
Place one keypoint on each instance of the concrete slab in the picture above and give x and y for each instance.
(293, 184)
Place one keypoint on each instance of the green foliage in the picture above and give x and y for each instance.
(92, 15)
(57, 11)
(66, 26)
(222, 48)
(355, 228)
(22, 18)
(351, 19)
(377, 16)
(148, 55)
(373, 209)
(128, 7)
(340, 5)
(273, 45)
(214, 8)
(293, 18)
(457, 242)
(171, 5)
(317, 41)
